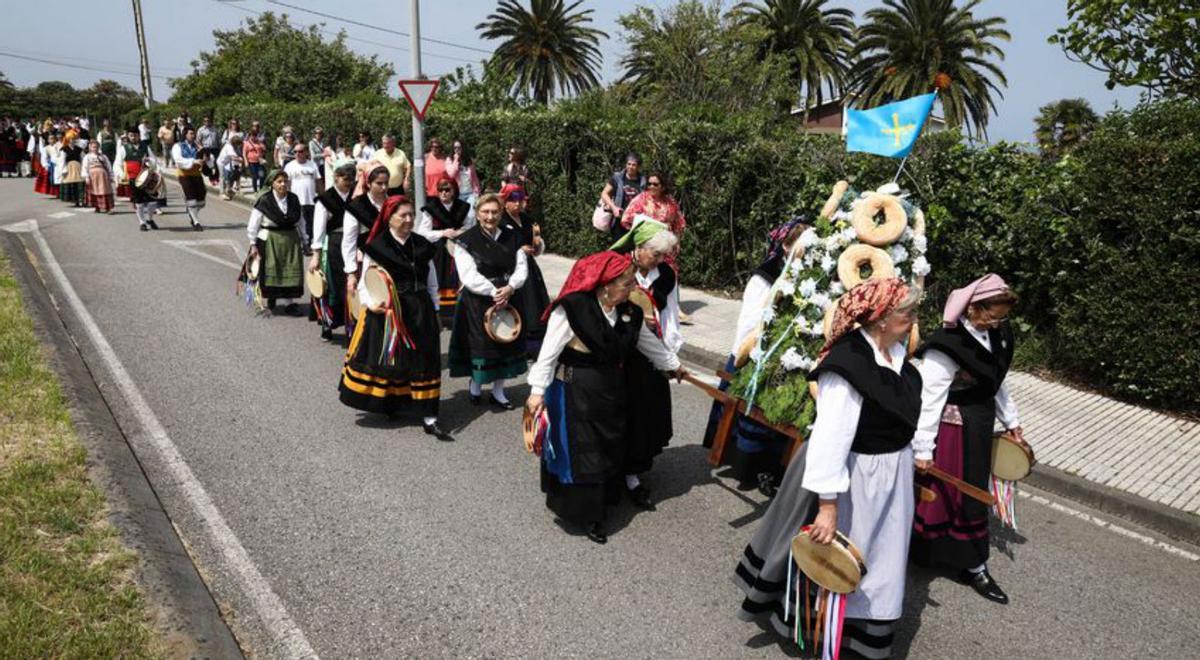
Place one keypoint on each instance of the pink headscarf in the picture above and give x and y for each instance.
(988, 286)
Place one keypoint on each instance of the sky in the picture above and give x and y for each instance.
(177, 30)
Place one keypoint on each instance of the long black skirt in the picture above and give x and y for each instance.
(649, 413)
(411, 382)
(532, 301)
(585, 448)
(473, 353)
(448, 282)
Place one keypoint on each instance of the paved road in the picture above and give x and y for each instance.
(380, 542)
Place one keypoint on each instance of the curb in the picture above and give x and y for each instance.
(185, 614)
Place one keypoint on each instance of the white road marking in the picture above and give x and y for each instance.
(269, 609)
(60, 214)
(22, 227)
(1104, 524)
(191, 248)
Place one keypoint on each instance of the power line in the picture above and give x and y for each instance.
(73, 66)
(375, 27)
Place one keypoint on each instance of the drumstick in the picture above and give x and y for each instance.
(963, 487)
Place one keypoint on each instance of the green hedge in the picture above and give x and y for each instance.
(1100, 246)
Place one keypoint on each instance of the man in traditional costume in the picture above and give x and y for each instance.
(327, 255)
(855, 472)
(443, 218)
(189, 162)
(276, 235)
(963, 369)
(579, 379)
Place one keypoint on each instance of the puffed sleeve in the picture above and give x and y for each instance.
(469, 275)
(937, 373)
(558, 335)
(838, 408)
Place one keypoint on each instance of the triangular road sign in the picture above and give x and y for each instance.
(419, 94)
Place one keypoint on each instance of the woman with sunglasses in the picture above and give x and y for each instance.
(532, 299)
(443, 219)
(964, 366)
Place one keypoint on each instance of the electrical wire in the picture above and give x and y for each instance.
(131, 74)
(375, 27)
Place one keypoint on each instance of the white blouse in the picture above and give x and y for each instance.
(559, 334)
(468, 272)
(754, 298)
(350, 237)
(425, 225)
(838, 408)
(431, 283)
(668, 316)
(321, 221)
(256, 231)
(937, 374)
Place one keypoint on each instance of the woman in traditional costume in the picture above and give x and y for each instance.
(579, 379)
(963, 369)
(492, 270)
(394, 362)
(650, 430)
(41, 164)
(855, 472)
(443, 218)
(72, 189)
(532, 299)
(756, 451)
(276, 235)
(99, 171)
(327, 256)
(53, 160)
(357, 222)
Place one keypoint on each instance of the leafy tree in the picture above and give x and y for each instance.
(465, 91)
(1153, 44)
(1063, 125)
(690, 55)
(814, 40)
(910, 47)
(270, 59)
(548, 49)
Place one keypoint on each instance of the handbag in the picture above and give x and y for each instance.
(602, 218)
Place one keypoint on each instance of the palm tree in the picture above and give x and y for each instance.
(814, 39)
(548, 47)
(1063, 125)
(5, 83)
(910, 47)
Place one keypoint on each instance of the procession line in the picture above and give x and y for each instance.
(289, 639)
(1104, 524)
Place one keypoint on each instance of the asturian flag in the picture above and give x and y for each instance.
(889, 130)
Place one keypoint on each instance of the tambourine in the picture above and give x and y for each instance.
(315, 281)
(837, 566)
(534, 429)
(378, 287)
(1011, 460)
(252, 266)
(502, 324)
(644, 299)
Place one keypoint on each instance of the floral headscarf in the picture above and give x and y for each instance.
(866, 303)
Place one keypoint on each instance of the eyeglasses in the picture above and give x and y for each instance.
(653, 185)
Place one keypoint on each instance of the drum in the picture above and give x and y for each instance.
(1011, 461)
(838, 566)
(502, 324)
(146, 181)
(378, 287)
(315, 280)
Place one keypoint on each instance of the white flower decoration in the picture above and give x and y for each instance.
(792, 360)
(768, 314)
(808, 287)
(899, 254)
(809, 238)
(756, 354)
(820, 300)
(907, 235)
(827, 263)
(786, 287)
(836, 289)
(919, 244)
(849, 233)
(920, 267)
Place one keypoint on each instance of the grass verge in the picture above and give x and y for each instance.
(66, 581)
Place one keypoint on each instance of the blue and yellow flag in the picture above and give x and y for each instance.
(889, 130)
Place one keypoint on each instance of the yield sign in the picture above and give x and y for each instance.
(419, 94)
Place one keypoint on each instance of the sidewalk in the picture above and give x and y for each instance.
(1105, 442)
(1116, 456)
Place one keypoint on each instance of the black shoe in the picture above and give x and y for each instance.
(475, 399)
(503, 405)
(767, 485)
(640, 497)
(153, 224)
(984, 585)
(327, 333)
(196, 226)
(292, 309)
(596, 534)
(144, 228)
(436, 431)
(271, 304)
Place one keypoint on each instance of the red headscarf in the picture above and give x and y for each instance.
(385, 214)
(866, 303)
(508, 189)
(445, 178)
(590, 273)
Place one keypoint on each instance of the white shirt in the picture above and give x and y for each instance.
(143, 132)
(363, 151)
(228, 158)
(255, 229)
(431, 283)
(425, 225)
(937, 374)
(754, 298)
(668, 317)
(181, 162)
(559, 334)
(350, 237)
(321, 220)
(476, 283)
(838, 408)
(303, 178)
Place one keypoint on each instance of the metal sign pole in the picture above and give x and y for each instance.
(418, 138)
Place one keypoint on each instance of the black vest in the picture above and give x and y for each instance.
(770, 269)
(451, 218)
(608, 346)
(981, 372)
(494, 259)
(331, 199)
(662, 287)
(283, 222)
(891, 401)
(365, 213)
(407, 264)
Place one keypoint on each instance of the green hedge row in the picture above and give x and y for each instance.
(1102, 246)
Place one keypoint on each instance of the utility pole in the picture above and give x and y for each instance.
(147, 92)
(418, 127)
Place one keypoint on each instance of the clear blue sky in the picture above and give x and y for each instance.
(100, 35)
